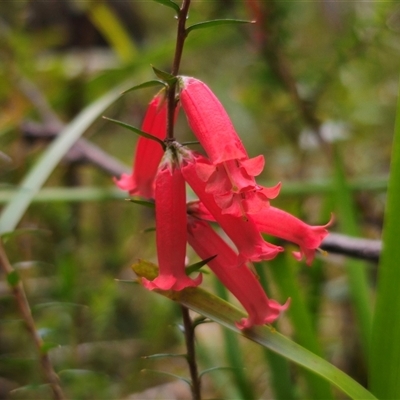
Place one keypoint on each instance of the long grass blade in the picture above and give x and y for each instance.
(33, 181)
(225, 314)
(385, 343)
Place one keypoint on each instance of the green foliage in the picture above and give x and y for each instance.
(385, 343)
(137, 131)
(343, 58)
(225, 314)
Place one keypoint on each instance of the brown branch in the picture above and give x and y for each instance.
(366, 249)
(25, 311)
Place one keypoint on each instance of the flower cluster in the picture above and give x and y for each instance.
(228, 194)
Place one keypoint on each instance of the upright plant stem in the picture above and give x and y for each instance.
(25, 311)
(191, 353)
(187, 322)
(180, 41)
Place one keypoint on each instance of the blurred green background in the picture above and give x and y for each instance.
(312, 86)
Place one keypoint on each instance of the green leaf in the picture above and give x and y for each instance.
(283, 273)
(225, 314)
(165, 76)
(152, 83)
(208, 370)
(385, 341)
(190, 143)
(168, 374)
(52, 304)
(13, 278)
(170, 4)
(164, 355)
(216, 22)
(137, 130)
(37, 176)
(196, 266)
(145, 203)
(356, 270)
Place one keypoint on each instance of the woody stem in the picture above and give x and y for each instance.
(180, 41)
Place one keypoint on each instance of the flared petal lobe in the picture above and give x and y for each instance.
(240, 281)
(279, 223)
(242, 231)
(171, 231)
(230, 173)
(148, 152)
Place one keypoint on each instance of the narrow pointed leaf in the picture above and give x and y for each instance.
(196, 266)
(136, 130)
(385, 343)
(165, 76)
(190, 143)
(145, 203)
(164, 355)
(168, 374)
(170, 4)
(216, 22)
(152, 83)
(225, 314)
(208, 370)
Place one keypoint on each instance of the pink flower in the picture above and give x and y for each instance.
(242, 231)
(148, 152)
(276, 222)
(240, 281)
(171, 234)
(230, 175)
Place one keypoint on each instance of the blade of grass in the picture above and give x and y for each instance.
(282, 270)
(234, 355)
(225, 314)
(33, 181)
(281, 381)
(385, 343)
(356, 270)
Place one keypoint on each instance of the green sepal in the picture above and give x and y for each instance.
(145, 203)
(137, 131)
(170, 4)
(154, 82)
(13, 278)
(164, 355)
(196, 266)
(216, 22)
(164, 75)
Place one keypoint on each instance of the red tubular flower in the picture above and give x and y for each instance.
(171, 233)
(148, 152)
(243, 232)
(230, 176)
(241, 282)
(276, 222)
